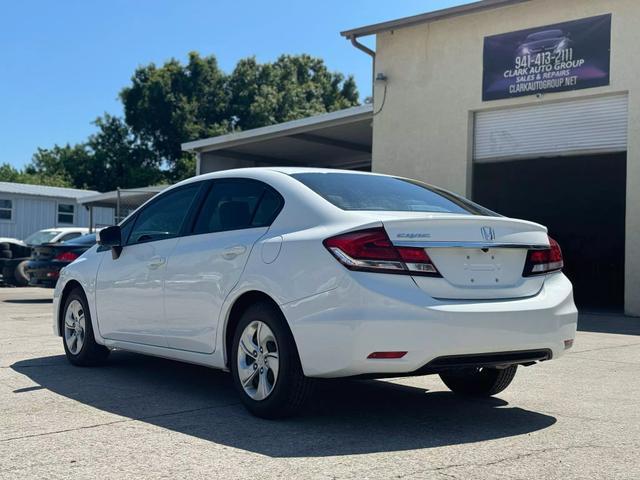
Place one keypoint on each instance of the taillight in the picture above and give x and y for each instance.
(544, 261)
(66, 257)
(372, 251)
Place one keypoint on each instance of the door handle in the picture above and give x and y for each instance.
(232, 252)
(156, 262)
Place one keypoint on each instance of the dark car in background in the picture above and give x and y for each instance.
(43, 268)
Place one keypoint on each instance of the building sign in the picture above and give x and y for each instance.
(554, 58)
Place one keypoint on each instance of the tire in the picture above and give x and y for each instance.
(20, 275)
(7, 274)
(268, 395)
(6, 254)
(76, 322)
(479, 382)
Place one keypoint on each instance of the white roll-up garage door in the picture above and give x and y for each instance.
(593, 125)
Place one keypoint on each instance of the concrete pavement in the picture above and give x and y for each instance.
(577, 417)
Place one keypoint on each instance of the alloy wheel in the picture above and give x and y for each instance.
(258, 360)
(74, 327)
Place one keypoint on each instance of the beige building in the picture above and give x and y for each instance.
(558, 148)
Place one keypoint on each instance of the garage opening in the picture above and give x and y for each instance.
(563, 164)
(581, 199)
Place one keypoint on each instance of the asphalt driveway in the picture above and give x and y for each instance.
(142, 417)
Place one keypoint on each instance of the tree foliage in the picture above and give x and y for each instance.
(175, 103)
(8, 173)
(110, 158)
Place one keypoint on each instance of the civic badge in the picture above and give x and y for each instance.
(488, 233)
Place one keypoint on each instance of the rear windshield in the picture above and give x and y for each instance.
(89, 239)
(353, 191)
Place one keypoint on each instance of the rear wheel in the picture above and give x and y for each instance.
(479, 381)
(20, 275)
(265, 364)
(77, 332)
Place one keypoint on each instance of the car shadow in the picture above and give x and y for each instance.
(345, 417)
(608, 322)
(28, 301)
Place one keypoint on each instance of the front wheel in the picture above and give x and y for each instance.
(265, 364)
(479, 381)
(77, 332)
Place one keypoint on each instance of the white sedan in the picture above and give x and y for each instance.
(283, 275)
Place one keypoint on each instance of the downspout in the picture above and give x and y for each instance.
(354, 41)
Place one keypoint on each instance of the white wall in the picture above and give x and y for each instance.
(33, 213)
(434, 69)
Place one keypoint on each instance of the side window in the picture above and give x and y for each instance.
(237, 204)
(65, 213)
(163, 218)
(268, 209)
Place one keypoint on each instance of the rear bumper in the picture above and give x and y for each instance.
(335, 331)
(44, 273)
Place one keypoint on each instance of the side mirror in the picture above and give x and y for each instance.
(111, 237)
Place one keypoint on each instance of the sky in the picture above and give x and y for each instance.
(62, 63)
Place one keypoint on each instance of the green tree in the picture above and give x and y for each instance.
(166, 106)
(9, 173)
(175, 103)
(292, 87)
(111, 158)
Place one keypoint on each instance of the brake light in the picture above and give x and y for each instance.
(66, 257)
(544, 261)
(371, 251)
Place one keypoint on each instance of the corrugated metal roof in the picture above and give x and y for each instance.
(43, 190)
(428, 17)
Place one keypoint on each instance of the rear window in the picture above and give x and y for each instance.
(353, 191)
(89, 239)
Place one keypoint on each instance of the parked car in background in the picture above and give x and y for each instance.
(281, 275)
(14, 254)
(43, 268)
(55, 235)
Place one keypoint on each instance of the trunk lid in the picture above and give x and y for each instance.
(478, 257)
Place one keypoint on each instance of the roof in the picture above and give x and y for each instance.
(133, 197)
(339, 117)
(43, 190)
(465, 9)
(338, 139)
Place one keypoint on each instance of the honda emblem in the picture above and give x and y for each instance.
(488, 233)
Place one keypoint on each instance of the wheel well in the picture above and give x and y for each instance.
(241, 304)
(68, 288)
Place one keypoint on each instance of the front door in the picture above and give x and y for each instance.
(130, 288)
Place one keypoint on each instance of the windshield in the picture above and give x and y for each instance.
(41, 237)
(354, 191)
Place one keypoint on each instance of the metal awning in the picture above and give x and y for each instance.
(130, 197)
(340, 139)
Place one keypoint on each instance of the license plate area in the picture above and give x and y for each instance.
(479, 268)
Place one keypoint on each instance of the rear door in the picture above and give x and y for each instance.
(206, 265)
(478, 257)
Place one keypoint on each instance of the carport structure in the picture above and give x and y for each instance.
(340, 139)
(122, 201)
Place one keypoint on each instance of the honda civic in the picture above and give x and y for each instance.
(286, 275)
